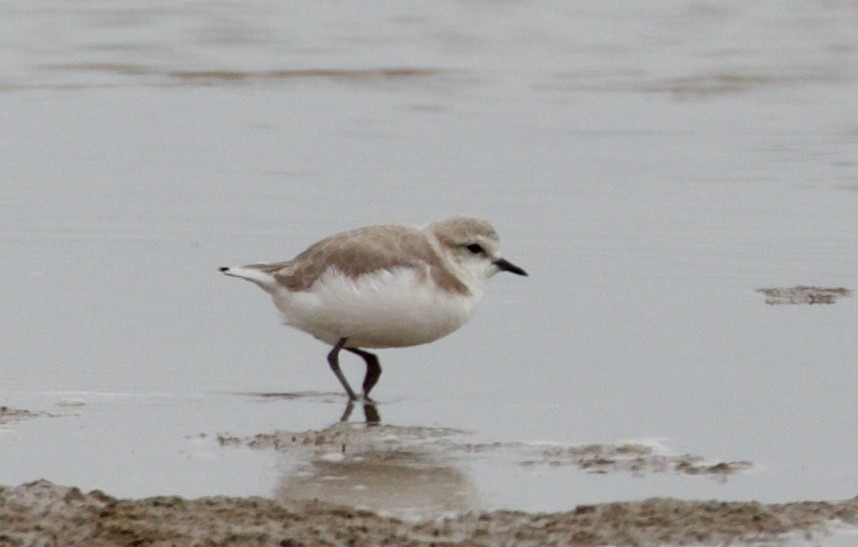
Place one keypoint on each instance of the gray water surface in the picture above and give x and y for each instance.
(650, 166)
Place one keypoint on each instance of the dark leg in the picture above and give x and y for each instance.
(348, 411)
(370, 412)
(373, 370)
(335, 366)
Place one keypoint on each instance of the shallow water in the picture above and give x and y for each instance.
(650, 167)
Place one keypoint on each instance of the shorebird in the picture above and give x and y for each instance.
(383, 286)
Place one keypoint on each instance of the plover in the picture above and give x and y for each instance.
(383, 286)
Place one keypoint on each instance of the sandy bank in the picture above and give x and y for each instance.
(41, 513)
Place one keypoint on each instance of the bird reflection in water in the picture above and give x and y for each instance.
(370, 413)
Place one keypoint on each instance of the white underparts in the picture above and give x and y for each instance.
(387, 308)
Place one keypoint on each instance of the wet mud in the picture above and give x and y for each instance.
(328, 499)
(356, 441)
(41, 513)
(9, 414)
(802, 294)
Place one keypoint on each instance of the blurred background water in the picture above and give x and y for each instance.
(651, 166)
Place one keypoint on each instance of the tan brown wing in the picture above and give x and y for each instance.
(355, 253)
(363, 251)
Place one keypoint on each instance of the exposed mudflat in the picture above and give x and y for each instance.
(802, 294)
(41, 513)
(344, 442)
(356, 463)
(9, 414)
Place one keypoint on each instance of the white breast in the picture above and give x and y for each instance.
(388, 308)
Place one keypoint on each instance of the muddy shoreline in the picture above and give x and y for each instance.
(413, 470)
(41, 513)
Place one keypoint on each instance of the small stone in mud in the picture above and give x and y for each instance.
(225, 439)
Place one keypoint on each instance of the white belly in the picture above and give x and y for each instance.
(384, 309)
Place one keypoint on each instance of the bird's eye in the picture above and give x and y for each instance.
(475, 248)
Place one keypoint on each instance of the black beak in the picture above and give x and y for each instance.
(507, 266)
